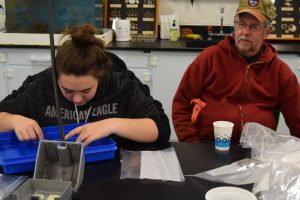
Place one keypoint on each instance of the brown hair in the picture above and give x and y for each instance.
(82, 55)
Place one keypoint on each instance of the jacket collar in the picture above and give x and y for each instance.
(228, 45)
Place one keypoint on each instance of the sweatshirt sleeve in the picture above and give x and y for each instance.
(142, 104)
(17, 105)
(190, 87)
(162, 123)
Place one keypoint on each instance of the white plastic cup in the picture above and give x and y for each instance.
(222, 132)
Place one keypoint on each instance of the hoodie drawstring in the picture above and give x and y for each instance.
(77, 115)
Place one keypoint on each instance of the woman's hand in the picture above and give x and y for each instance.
(26, 129)
(90, 132)
(139, 130)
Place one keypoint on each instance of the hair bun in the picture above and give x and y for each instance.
(83, 35)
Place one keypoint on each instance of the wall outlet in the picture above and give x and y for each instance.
(9, 73)
(146, 77)
(2, 57)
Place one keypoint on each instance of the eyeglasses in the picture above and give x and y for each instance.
(252, 27)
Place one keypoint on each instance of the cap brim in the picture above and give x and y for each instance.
(260, 17)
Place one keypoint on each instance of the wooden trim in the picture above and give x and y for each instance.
(157, 18)
(283, 39)
(105, 4)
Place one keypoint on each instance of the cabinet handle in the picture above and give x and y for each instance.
(146, 77)
(153, 61)
(41, 59)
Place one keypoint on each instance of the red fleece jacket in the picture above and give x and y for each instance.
(235, 91)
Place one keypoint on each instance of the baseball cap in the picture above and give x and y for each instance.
(260, 9)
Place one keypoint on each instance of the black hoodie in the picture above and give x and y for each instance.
(122, 95)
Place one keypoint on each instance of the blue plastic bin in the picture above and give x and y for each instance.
(16, 156)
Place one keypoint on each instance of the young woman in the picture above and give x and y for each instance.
(94, 86)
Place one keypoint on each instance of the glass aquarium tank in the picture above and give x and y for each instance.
(31, 16)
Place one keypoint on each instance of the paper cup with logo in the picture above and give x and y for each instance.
(222, 132)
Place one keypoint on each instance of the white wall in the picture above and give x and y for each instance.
(2, 2)
(203, 12)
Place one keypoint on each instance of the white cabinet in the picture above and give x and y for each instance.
(166, 77)
(293, 61)
(137, 62)
(2, 72)
(19, 63)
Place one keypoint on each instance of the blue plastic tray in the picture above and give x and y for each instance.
(16, 156)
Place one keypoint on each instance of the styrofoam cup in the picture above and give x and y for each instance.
(222, 132)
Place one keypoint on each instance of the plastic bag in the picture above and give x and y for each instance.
(267, 145)
(131, 162)
(284, 182)
(159, 165)
(241, 172)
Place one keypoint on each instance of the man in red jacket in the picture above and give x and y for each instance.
(241, 79)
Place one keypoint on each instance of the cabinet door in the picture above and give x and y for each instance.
(293, 61)
(21, 63)
(137, 62)
(166, 77)
(2, 73)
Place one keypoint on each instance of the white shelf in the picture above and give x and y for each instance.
(35, 39)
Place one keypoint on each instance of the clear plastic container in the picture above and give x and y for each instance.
(17, 156)
(149, 38)
(137, 38)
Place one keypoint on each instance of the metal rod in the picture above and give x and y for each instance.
(222, 9)
(54, 79)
